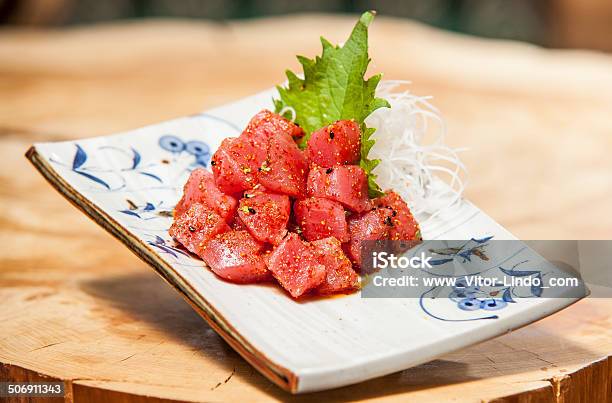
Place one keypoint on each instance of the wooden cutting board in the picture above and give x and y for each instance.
(78, 307)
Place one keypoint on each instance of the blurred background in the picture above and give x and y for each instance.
(552, 23)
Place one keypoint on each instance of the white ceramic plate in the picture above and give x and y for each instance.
(129, 182)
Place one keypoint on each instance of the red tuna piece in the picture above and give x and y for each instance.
(265, 215)
(404, 226)
(339, 273)
(347, 184)
(266, 123)
(371, 226)
(236, 256)
(235, 164)
(285, 167)
(196, 226)
(320, 218)
(336, 144)
(201, 188)
(237, 224)
(295, 265)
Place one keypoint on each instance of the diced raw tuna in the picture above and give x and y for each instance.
(265, 215)
(336, 144)
(339, 273)
(260, 156)
(295, 265)
(320, 218)
(235, 164)
(201, 188)
(371, 226)
(265, 124)
(196, 226)
(237, 224)
(346, 184)
(236, 256)
(404, 225)
(285, 167)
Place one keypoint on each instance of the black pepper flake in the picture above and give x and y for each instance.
(389, 222)
(213, 162)
(191, 228)
(394, 213)
(329, 170)
(331, 135)
(251, 210)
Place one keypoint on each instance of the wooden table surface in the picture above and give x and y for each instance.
(78, 307)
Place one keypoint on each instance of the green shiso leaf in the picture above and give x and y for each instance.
(334, 88)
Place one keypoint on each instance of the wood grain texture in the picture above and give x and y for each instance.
(78, 307)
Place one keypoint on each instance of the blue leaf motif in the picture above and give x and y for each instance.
(164, 248)
(508, 296)
(438, 262)
(482, 240)
(149, 207)
(79, 157)
(159, 240)
(135, 159)
(130, 212)
(93, 178)
(152, 176)
(516, 273)
(536, 289)
(182, 252)
(466, 255)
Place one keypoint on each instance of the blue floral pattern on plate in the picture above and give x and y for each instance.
(469, 297)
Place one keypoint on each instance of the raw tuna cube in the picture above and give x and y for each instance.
(265, 215)
(373, 225)
(336, 144)
(196, 226)
(404, 226)
(201, 188)
(235, 164)
(285, 167)
(236, 256)
(345, 184)
(320, 218)
(237, 224)
(295, 265)
(265, 124)
(339, 273)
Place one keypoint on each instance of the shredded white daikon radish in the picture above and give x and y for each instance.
(415, 161)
